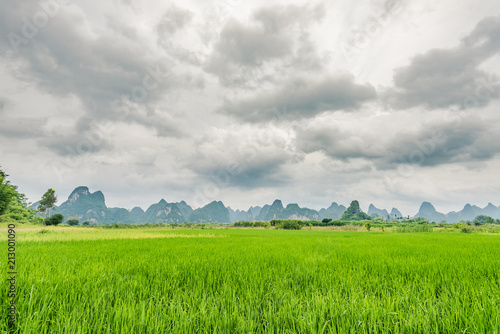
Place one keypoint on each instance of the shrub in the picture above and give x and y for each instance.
(338, 223)
(289, 225)
(73, 221)
(466, 229)
(482, 220)
(86, 223)
(244, 224)
(54, 220)
(38, 220)
(251, 224)
(261, 224)
(413, 229)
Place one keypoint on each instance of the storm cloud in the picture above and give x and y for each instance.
(302, 97)
(439, 142)
(441, 78)
(64, 56)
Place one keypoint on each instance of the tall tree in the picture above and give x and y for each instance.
(13, 204)
(47, 202)
(6, 193)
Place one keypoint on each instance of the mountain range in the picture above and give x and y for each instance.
(85, 205)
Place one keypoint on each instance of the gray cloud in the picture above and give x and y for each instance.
(443, 78)
(173, 20)
(430, 145)
(3, 102)
(67, 143)
(247, 158)
(444, 144)
(336, 142)
(276, 36)
(64, 58)
(21, 128)
(303, 97)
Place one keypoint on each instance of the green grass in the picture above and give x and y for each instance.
(255, 281)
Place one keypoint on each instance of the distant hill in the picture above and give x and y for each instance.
(395, 214)
(138, 214)
(119, 215)
(240, 215)
(263, 213)
(293, 211)
(85, 205)
(163, 212)
(185, 209)
(354, 212)
(428, 211)
(214, 212)
(374, 212)
(469, 212)
(333, 212)
(274, 211)
(255, 211)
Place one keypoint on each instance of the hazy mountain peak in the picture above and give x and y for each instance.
(395, 213)
(334, 205)
(98, 196)
(427, 206)
(81, 190)
(277, 203)
(428, 211)
(374, 212)
(137, 209)
(77, 192)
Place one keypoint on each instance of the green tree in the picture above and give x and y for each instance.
(13, 204)
(368, 226)
(73, 221)
(6, 193)
(54, 220)
(483, 219)
(48, 201)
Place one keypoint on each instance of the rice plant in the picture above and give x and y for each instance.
(255, 281)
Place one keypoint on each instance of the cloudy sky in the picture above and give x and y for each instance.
(311, 102)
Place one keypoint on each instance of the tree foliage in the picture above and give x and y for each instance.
(73, 221)
(482, 220)
(54, 220)
(286, 224)
(6, 193)
(13, 204)
(47, 202)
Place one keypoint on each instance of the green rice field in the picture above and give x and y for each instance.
(228, 280)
